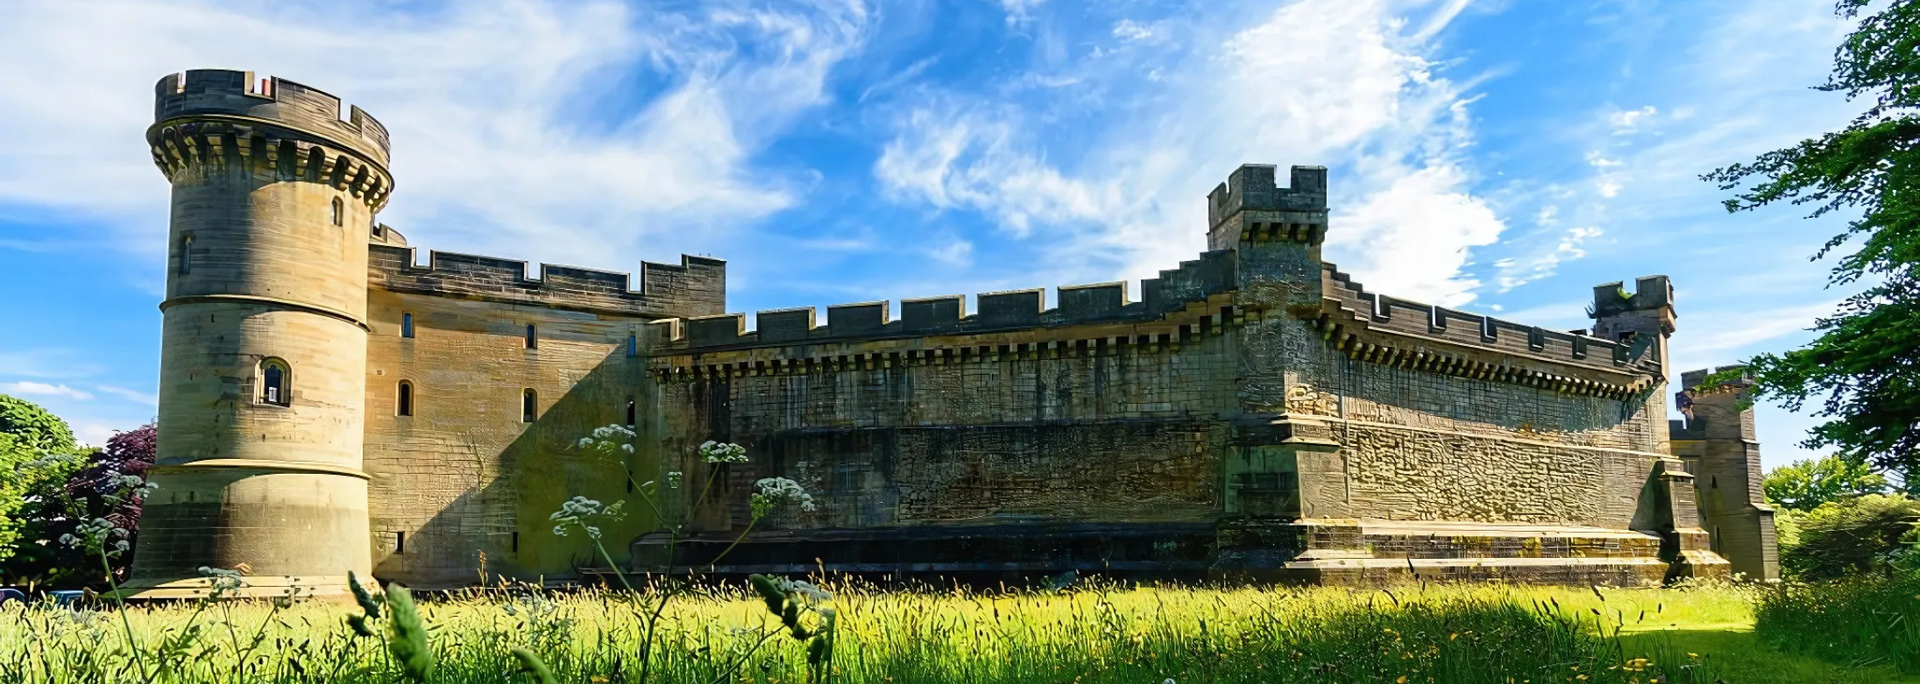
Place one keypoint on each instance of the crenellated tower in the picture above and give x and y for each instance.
(264, 344)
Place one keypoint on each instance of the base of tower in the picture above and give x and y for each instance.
(323, 587)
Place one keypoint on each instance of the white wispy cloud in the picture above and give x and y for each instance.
(132, 395)
(497, 110)
(44, 389)
(1359, 94)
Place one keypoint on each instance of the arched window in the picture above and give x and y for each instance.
(404, 401)
(406, 325)
(276, 382)
(533, 337)
(529, 405)
(339, 212)
(186, 254)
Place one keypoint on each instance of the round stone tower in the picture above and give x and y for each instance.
(264, 346)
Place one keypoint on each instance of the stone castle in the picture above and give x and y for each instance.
(329, 404)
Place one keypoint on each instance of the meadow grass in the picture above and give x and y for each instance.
(1417, 634)
(1859, 621)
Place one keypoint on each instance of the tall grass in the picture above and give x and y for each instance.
(1433, 635)
(1860, 621)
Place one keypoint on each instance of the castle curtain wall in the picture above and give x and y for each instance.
(1130, 436)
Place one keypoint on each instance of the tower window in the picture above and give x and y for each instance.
(631, 412)
(533, 337)
(186, 254)
(633, 345)
(516, 542)
(405, 399)
(406, 325)
(339, 212)
(399, 543)
(276, 381)
(529, 405)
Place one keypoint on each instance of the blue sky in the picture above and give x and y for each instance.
(1501, 157)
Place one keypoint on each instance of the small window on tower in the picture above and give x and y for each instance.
(186, 254)
(529, 406)
(275, 382)
(399, 543)
(632, 412)
(339, 212)
(533, 338)
(633, 345)
(405, 399)
(406, 325)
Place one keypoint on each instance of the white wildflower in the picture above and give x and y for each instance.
(722, 452)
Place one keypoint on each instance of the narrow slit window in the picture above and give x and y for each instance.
(529, 403)
(406, 325)
(632, 412)
(633, 345)
(516, 542)
(339, 212)
(533, 337)
(399, 543)
(275, 382)
(405, 399)
(186, 254)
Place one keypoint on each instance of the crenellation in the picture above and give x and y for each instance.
(932, 315)
(861, 319)
(785, 325)
(1083, 303)
(694, 288)
(274, 101)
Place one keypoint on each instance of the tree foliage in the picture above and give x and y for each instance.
(1804, 485)
(32, 444)
(1871, 534)
(1863, 369)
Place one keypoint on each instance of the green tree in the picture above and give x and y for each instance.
(1864, 367)
(1804, 485)
(1863, 535)
(35, 452)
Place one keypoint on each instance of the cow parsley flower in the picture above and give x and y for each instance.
(722, 452)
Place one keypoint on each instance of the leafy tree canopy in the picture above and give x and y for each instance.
(1863, 370)
(30, 438)
(1871, 534)
(33, 427)
(1804, 485)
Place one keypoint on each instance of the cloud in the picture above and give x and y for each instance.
(571, 132)
(1628, 121)
(42, 389)
(1514, 272)
(131, 395)
(1020, 11)
(1358, 94)
(1130, 30)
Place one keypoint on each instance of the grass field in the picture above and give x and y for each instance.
(1431, 635)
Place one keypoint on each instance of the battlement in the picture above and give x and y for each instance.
(220, 92)
(1650, 293)
(1356, 319)
(694, 287)
(1693, 379)
(1253, 187)
(1213, 273)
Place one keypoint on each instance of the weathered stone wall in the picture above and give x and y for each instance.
(464, 475)
(1123, 437)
